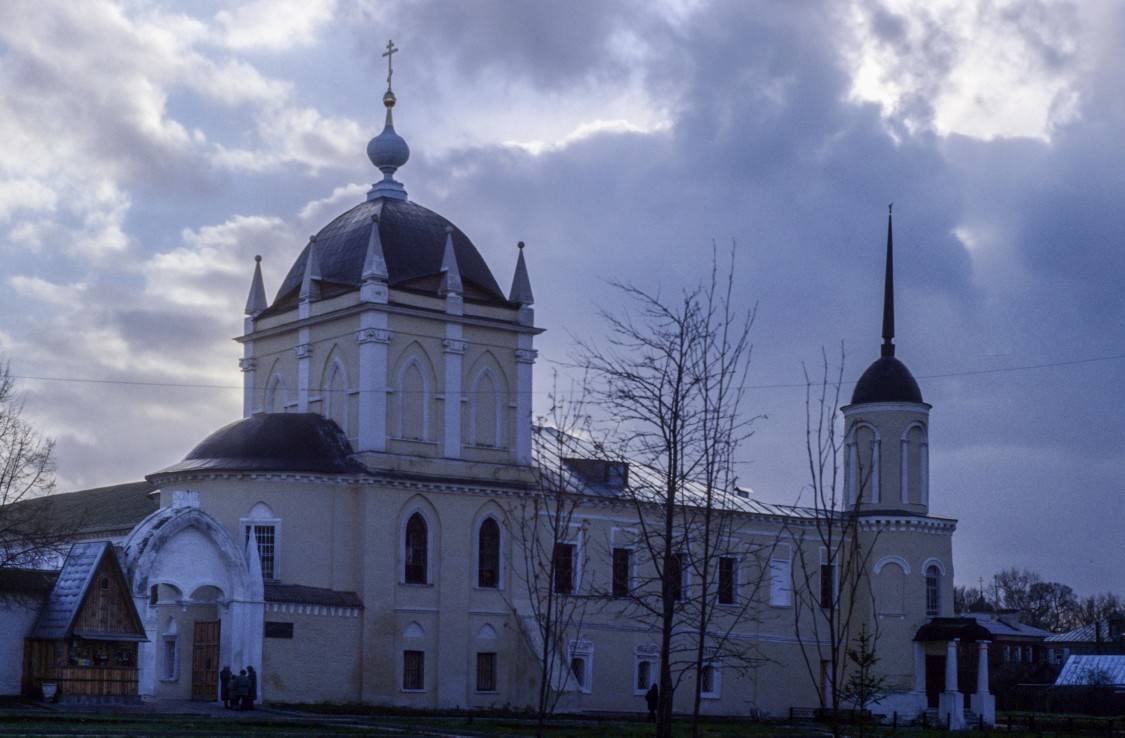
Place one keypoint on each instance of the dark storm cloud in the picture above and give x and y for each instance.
(765, 147)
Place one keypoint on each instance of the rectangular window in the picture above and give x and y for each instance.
(266, 536)
(827, 581)
(828, 586)
(564, 568)
(169, 670)
(781, 576)
(486, 672)
(727, 579)
(274, 629)
(413, 671)
(675, 576)
(622, 565)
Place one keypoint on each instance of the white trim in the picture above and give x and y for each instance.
(892, 560)
(416, 358)
(781, 596)
(581, 649)
(500, 558)
(933, 562)
(428, 574)
(328, 394)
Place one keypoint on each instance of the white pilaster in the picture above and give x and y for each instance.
(454, 356)
(904, 480)
(876, 469)
(525, 362)
(303, 351)
(919, 667)
(249, 366)
(374, 339)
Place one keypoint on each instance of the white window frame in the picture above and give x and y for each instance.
(716, 691)
(781, 576)
(499, 553)
(581, 649)
(650, 654)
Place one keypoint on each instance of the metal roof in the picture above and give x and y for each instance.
(1092, 670)
(413, 240)
(299, 594)
(113, 508)
(283, 442)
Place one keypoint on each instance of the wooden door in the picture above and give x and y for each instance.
(205, 661)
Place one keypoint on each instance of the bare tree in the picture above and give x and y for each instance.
(544, 528)
(831, 587)
(670, 380)
(28, 534)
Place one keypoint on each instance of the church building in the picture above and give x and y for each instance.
(359, 535)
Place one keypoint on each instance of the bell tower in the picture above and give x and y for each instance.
(886, 427)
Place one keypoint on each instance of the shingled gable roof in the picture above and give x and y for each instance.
(60, 614)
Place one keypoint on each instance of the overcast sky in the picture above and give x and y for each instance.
(149, 149)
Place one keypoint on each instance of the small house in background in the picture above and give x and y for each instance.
(85, 640)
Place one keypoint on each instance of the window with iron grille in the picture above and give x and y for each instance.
(266, 537)
(413, 670)
(486, 672)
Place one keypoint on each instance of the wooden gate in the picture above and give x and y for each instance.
(205, 661)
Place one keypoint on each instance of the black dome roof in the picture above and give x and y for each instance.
(886, 380)
(413, 240)
(284, 442)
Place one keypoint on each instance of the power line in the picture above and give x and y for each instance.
(947, 375)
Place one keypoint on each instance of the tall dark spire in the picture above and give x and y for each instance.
(888, 348)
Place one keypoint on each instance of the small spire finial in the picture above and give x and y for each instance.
(521, 285)
(888, 348)
(520, 245)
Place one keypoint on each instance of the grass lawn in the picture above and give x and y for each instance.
(343, 722)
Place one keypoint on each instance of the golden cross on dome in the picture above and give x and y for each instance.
(390, 70)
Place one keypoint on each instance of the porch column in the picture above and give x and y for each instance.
(983, 703)
(951, 705)
(951, 666)
(919, 666)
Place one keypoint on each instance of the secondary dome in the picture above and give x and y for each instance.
(886, 380)
(413, 240)
(282, 442)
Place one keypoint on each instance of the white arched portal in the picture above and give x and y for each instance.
(187, 553)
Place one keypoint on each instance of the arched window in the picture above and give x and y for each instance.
(488, 554)
(413, 402)
(336, 396)
(914, 465)
(485, 411)
(862, 465)
(416, 550)
(277, 396)
(933, 591)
